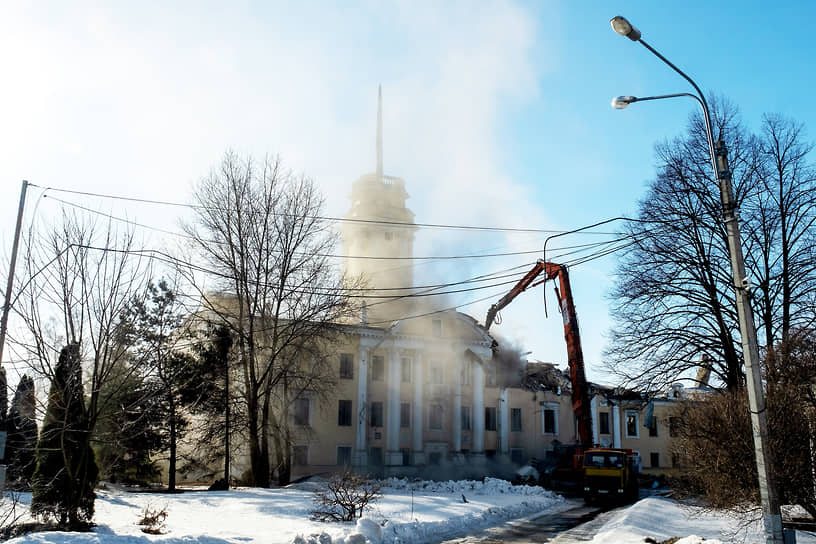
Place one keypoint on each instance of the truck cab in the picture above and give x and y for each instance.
(610, 474)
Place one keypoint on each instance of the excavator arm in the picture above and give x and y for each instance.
(575, 355)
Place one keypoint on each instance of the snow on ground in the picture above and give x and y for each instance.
(661, 519)
(412, 512)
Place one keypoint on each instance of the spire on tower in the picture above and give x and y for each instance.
(379, 135)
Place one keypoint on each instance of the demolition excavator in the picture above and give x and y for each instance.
(603, 473)
(575, 356)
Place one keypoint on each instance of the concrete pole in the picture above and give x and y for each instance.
(7, 303)
(771, 511)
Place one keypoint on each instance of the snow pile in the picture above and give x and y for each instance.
(660, 519)
(490, 486)
(408, 512)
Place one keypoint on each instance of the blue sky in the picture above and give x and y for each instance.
(495, 113)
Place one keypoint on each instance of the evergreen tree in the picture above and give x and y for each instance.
(129, 430)
(66, 473)
(22, 435)
(169, 372)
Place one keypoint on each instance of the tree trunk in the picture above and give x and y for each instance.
(171, 477)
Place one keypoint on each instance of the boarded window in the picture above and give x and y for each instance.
(490, 418)
(376, 414)
(515, 420)
(346, 366)
(406, 370)
(405, 414)
(465, 418)
(377, 368)
(302, 412)
(435, 417)
(603, 421)
(344, 413)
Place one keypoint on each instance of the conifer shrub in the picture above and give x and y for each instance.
(66, 472)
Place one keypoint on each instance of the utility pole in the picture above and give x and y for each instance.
(771, 512)
(7, 307)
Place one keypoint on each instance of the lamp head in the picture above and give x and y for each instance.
(620, 102)
(624, 28)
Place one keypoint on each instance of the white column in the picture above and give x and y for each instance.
(504, 422)
(417, 423)
(393, 455)
(616, 427)
(478, 407)
(457, 406)
(360, 454)
(593, 409)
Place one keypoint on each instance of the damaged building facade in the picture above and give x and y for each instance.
(420, 392)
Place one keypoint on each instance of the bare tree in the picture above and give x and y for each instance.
(779, 230)
(673, 301)
(77, 283)
(261, 232)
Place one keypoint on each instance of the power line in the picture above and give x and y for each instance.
(325, 218)
(330, 255)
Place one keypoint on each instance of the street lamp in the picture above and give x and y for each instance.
(756, 399)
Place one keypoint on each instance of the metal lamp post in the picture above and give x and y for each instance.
(756, 398)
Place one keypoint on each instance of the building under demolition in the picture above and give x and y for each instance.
(426, 395)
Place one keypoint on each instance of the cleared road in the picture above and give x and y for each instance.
(575, 524)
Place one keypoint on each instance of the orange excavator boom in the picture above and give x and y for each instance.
(575, 355)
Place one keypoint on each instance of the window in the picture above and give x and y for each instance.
(434, 458)
(517, 456)
(375, 456)
(376, 414)
(632, 424)
(515, 420)
(653, 428)
(490, 378)
(406, 370)
(465, 418)
(467, 372)
(344, 413)
(674, 426)
(406, 456)
(405, 415)
(300, 455)
(654, 459)
(435, 417)
(549, 418)
(346, 366)
(490, 418)
(302, 412)
(377, 368)
(344, 455)
(437, 373)
(436, 327)
(603, 422)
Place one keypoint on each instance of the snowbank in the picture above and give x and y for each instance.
(413, 512)
(661, 519)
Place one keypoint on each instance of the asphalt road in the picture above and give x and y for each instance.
(575, 524)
